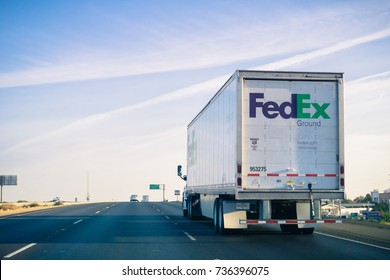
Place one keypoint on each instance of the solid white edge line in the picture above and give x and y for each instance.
(77, 222)
(189, 236)
(355, 241)
(20, 250)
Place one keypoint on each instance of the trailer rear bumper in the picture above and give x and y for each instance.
(288, 194)
(288, 222)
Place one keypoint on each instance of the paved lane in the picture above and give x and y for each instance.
(41, 226)
(112, 231)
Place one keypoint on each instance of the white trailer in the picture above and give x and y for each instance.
(265, 150)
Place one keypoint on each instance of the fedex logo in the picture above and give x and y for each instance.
(299, 107)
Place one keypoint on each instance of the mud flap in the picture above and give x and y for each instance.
(232, 216)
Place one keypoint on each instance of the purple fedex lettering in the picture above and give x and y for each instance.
(271, 109)
(253, 104)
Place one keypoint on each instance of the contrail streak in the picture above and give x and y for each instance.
(208, 86)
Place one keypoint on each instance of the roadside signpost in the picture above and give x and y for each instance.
(7, 180)
(158, 187)
(177, 193)
(373, 215)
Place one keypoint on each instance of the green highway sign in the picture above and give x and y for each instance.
(154, 187)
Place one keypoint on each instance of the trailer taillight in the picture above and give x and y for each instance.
(342, 182)
(239, 182)
(341, 169)
(239, 168)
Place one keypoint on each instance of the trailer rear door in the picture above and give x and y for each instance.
(290, 134)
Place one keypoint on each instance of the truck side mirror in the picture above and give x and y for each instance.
(179, 171)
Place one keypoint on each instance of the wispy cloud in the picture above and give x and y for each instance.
(368, 100)
(370, 83)
(300, 58)
(184, 48)
(200, 88)
(208, 86)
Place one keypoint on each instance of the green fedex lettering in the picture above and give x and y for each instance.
(320, 110)
(301, 105)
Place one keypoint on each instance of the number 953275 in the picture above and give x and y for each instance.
(258, 169)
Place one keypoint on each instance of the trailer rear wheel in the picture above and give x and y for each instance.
(216, 215)
(221, 222)
(307, 230)
(293, 229)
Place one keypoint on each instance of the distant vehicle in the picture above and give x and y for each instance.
(56, 199)
(145, 198)
(265, 150)
(134, 198)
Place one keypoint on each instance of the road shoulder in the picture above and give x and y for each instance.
(361, 231)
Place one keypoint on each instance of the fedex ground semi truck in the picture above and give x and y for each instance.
(266, 149)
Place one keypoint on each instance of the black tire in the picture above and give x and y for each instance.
(189, 208)
(216, 215)
(221, 222)
(293, 229)
(284, 228)
(307, 230)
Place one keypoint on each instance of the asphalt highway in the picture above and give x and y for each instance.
(158, 231)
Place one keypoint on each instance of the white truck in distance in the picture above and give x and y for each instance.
(265, 150)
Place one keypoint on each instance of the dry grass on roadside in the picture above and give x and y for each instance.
(18, 207)
(8, 207)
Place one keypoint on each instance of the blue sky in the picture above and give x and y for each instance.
(108, 87)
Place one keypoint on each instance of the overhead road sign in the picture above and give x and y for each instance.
(8, 180)
(154, 186)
